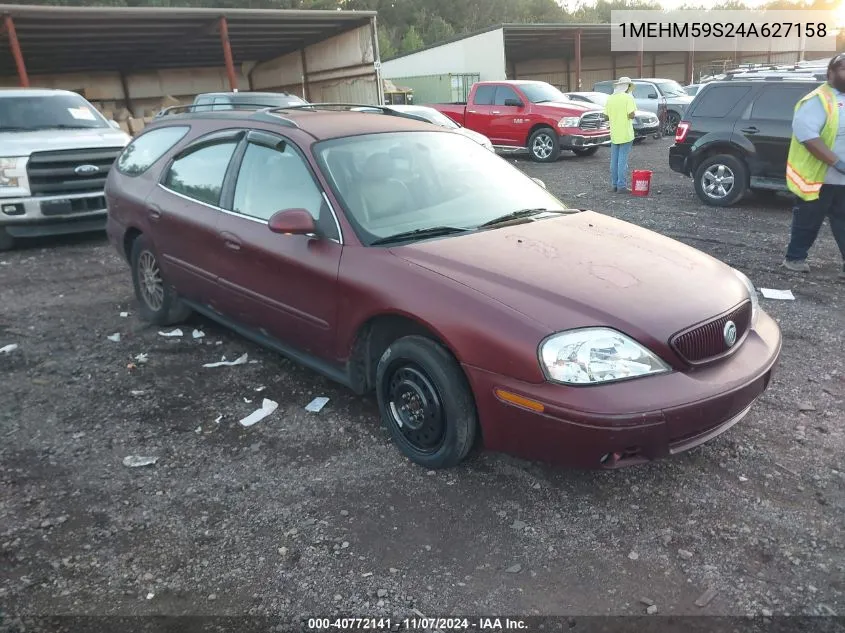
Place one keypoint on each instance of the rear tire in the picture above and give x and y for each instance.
(586, 151)
(426, 402)
(159, 303)
(672, 120)
(721, 180)
(7, 242)
(544, 145)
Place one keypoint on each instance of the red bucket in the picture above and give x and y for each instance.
(640, 182)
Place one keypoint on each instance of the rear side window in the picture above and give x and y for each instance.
(141, 153)
(606, 88)
(718, 101)
(778, 102)
(199, 175)
(484, 95)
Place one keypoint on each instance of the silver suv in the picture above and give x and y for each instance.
(654, 95)
(56, 150)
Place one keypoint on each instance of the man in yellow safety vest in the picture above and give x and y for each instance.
(815, 169)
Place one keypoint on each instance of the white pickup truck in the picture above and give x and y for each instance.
(55, 152)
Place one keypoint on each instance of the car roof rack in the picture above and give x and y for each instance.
(776, 76)
(215, 107)
(382, 109)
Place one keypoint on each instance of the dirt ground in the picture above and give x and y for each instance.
(318, 513)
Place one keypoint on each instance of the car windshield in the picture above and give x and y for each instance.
(44, 112)
(599, 98)
(396, 182)
(542, 92)
(431, 115)
(671, 89)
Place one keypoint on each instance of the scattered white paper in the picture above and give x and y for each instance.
(247, 400)
(176, 332)
(267, 407)
(114, 337)
(219, 343)
(198, 334)
(141, 358)
(253, 362)
(228, 363)
(259, 389)
(123, 315)
(198, 429)
(768, 293)
(150, 596)
(8, 349)
(316, 404)
(136, 461)
(137, 392)
(217, 421)
(82, 114)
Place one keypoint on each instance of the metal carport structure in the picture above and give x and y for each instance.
(60, 40)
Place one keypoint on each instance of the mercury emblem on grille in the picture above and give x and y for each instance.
(86, 170)
(730, 333)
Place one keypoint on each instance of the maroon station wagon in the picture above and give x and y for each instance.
(398, 257)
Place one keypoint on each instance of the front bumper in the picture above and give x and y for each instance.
(646, 130)
(568, 141)
(627, 423)
(53, 215)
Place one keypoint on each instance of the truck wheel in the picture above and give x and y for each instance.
(672, 120)
(586, 151)
(721, 180)
(544, 146)
(7, 242)
(158, 300)
(426, 402)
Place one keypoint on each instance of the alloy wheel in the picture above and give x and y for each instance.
(150, 281)
(717, 181)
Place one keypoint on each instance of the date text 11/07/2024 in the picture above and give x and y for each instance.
(415, 624)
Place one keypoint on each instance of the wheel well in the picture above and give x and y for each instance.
(536, 127)
(129, 239)
(373, 338)
(715, 151)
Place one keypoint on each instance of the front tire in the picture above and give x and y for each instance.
(721, 180)
(426, 402)
(585, 151)
(672, 120)
(159, 303)
(544, 145)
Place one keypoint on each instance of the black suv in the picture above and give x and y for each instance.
(735, 135)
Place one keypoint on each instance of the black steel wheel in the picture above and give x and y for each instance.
(426, 402)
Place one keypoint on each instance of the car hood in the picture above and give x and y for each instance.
(684, 100)
(587, 269)
(571, 106)
(475, 136)
(25, 143)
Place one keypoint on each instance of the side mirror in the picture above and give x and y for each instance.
(539, 182)
(293, 222)
(514, 102)
(114, 124)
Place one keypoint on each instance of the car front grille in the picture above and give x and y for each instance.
(54, 173)
(594, 121)
(704, 343)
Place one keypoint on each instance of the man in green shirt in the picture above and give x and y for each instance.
(620, 108)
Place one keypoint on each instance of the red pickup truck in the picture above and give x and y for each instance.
(532, 115)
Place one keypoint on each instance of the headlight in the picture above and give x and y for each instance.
(752, 293)
(569, 121)
(13, 180)
(596, 355)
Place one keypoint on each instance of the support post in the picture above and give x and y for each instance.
(127, 100)
(654, 64)
(690, 66)
(568, 75)
(227, 53)
(578, 59)
(14, 45)
(306, 93)
(640, 60)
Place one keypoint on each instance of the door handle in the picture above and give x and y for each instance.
(231, 242)
(471, 111)
(154, 212)
(750, 130)
(496, 112)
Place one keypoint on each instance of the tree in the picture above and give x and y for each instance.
(386, 47)
(411, 41)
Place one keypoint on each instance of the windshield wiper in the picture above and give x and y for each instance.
(522, 213)
(434, 231)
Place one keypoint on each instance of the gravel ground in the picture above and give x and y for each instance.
(317, 513)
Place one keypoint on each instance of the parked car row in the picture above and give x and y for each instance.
(645, 123)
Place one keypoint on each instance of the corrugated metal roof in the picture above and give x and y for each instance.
(62, 39)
